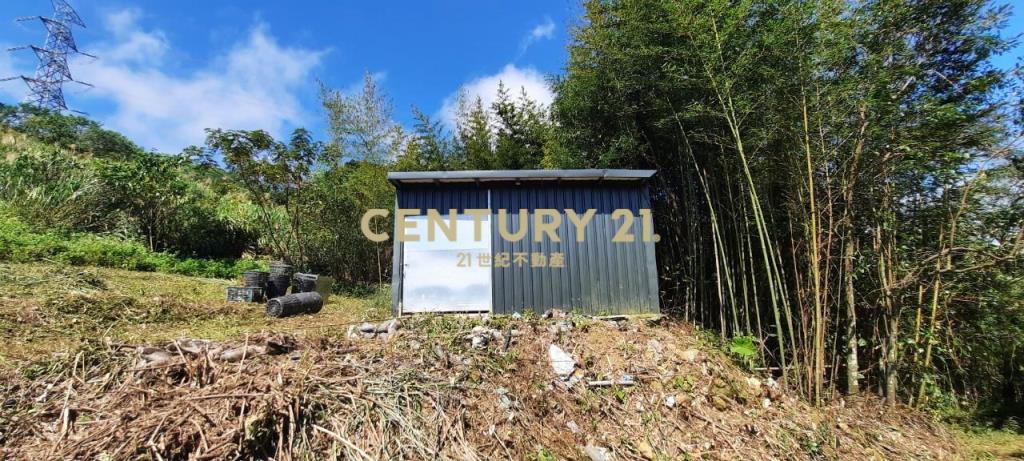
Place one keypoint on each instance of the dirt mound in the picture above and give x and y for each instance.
(434, 389)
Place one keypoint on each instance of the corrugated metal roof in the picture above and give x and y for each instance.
(412, 177)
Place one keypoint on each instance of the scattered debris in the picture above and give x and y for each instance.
(561, 326)
(646, 450)
(556, 314)
(481, 336)
(389, 326)
(670, 401)
(625, 380)
(503, 398)
(239, 353)
(596, 453)
(691, 355)
(562, 363)
(317, 397)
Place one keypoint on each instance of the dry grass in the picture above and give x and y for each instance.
(423, 394)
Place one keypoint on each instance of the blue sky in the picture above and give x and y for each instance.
(167, 70)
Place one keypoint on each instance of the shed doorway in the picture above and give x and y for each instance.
(447, 276)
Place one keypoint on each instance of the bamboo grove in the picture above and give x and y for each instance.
(839, 180)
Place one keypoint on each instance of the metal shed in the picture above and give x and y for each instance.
(596, 276)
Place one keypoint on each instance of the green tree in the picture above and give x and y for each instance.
(276, 176)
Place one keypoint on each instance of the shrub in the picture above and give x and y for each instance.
(18, 243)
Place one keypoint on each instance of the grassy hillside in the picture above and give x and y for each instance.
(49, 308)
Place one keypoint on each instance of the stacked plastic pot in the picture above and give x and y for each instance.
(253, 289)
(303, 300)
(279, 280)
(273, 286)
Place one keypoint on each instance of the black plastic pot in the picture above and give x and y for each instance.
(280, 268)
(255, 279)
(303, 283)
(277, 285)
(294, 304)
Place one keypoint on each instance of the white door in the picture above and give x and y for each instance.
(446, 276)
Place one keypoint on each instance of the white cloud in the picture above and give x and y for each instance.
(516, 79)
(254, 85)
(542, 31)
(133, 44)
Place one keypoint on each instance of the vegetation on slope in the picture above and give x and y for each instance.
(425, 393)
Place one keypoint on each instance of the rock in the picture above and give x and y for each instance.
(646, 450)
(670, 401)
(190, 346)
(236, 354)
(573, 427)
(596, 453)
(367, 328)
(503, 398)
(554, 314)
(719, 403)
(517, 316)
(690, 355)
(562, 363)
(387, 326)
(766, 403)
(479, 341)
(280, 345)
(154, 357)
(655, 350)
(754, 383)
(394, 325)
(368, 335)
(773, 389)
(352, 331)
(561, 326)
